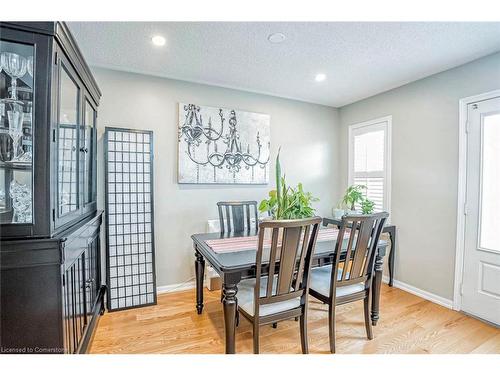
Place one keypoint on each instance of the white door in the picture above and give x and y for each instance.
(481, 276)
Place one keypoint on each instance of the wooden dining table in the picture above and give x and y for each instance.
(233, 266)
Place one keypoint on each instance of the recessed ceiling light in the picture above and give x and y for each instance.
(276, 37)
(158, 40)
(320, 77)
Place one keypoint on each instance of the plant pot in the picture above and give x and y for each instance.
(338, 213)
(352, 212)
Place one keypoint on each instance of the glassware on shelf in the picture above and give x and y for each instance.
(15, 66)
(24, 95)
(27, 138)
(30, 65)
(5, 145)
(21, 202)
(15, 130)
(26, 157)
(3, 202)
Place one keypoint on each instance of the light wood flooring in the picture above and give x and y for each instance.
(408, 324)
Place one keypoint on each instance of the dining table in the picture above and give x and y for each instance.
(234, 263)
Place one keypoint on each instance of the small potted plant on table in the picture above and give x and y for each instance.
(353, 196)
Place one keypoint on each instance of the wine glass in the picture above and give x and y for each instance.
(15, 66)
(30, 65)
(21, 202)
(15, 129)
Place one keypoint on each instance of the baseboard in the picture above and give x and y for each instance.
(421, 293)
(189, 284)
(176, 287)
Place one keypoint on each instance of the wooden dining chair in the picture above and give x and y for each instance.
(233, 215)
(336, 285)
(282, 294)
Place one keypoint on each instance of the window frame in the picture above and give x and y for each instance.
(387, 154)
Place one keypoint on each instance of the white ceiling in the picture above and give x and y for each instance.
(360, 59)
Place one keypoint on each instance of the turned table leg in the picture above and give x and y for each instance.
(377, 282)
(392, 236)
(199, 266)
(230, 307)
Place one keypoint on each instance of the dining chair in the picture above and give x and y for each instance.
(282, 293)
(336, 285)
(233, 215)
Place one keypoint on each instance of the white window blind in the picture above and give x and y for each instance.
(369, 160)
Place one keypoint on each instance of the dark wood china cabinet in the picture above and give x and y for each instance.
(51, 292)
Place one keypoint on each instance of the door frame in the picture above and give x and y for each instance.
(462, 190)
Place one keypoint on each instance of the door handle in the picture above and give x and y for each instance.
(84, 149)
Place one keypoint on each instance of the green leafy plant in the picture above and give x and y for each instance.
(286, 202)
(354, 195)
(367, 206)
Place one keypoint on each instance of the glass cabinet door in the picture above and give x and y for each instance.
(67, 145)
(89, 154)
(17, 69)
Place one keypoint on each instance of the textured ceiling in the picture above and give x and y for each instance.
(360, 59)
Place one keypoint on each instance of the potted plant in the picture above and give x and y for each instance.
(286, 202)
(354, 195)
(367, 206)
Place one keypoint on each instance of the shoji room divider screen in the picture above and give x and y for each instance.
(129, 218)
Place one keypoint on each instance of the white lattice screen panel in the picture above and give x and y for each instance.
(129, 218)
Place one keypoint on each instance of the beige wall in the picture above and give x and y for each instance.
(308, 135)
(314, 140)
(424, 166)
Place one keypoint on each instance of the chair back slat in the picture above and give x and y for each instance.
(292, 246)
(236, 216)
(289, 246)
(247, 207)
(221, 218)
(238, 219)
(364, 234)
(361, 250)
(228, 220)
(272, 259)
(305, 243)
(350, 244)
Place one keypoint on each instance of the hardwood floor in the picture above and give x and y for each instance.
(408, 324)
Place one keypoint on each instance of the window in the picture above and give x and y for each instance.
(370, 160)
(489, 236)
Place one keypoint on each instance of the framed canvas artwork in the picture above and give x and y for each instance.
(222, 146)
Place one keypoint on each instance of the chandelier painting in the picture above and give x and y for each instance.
(222, 146)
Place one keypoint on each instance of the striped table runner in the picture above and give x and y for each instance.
(229, 245)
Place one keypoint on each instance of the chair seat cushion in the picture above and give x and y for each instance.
(245, 297)
(320, 282)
